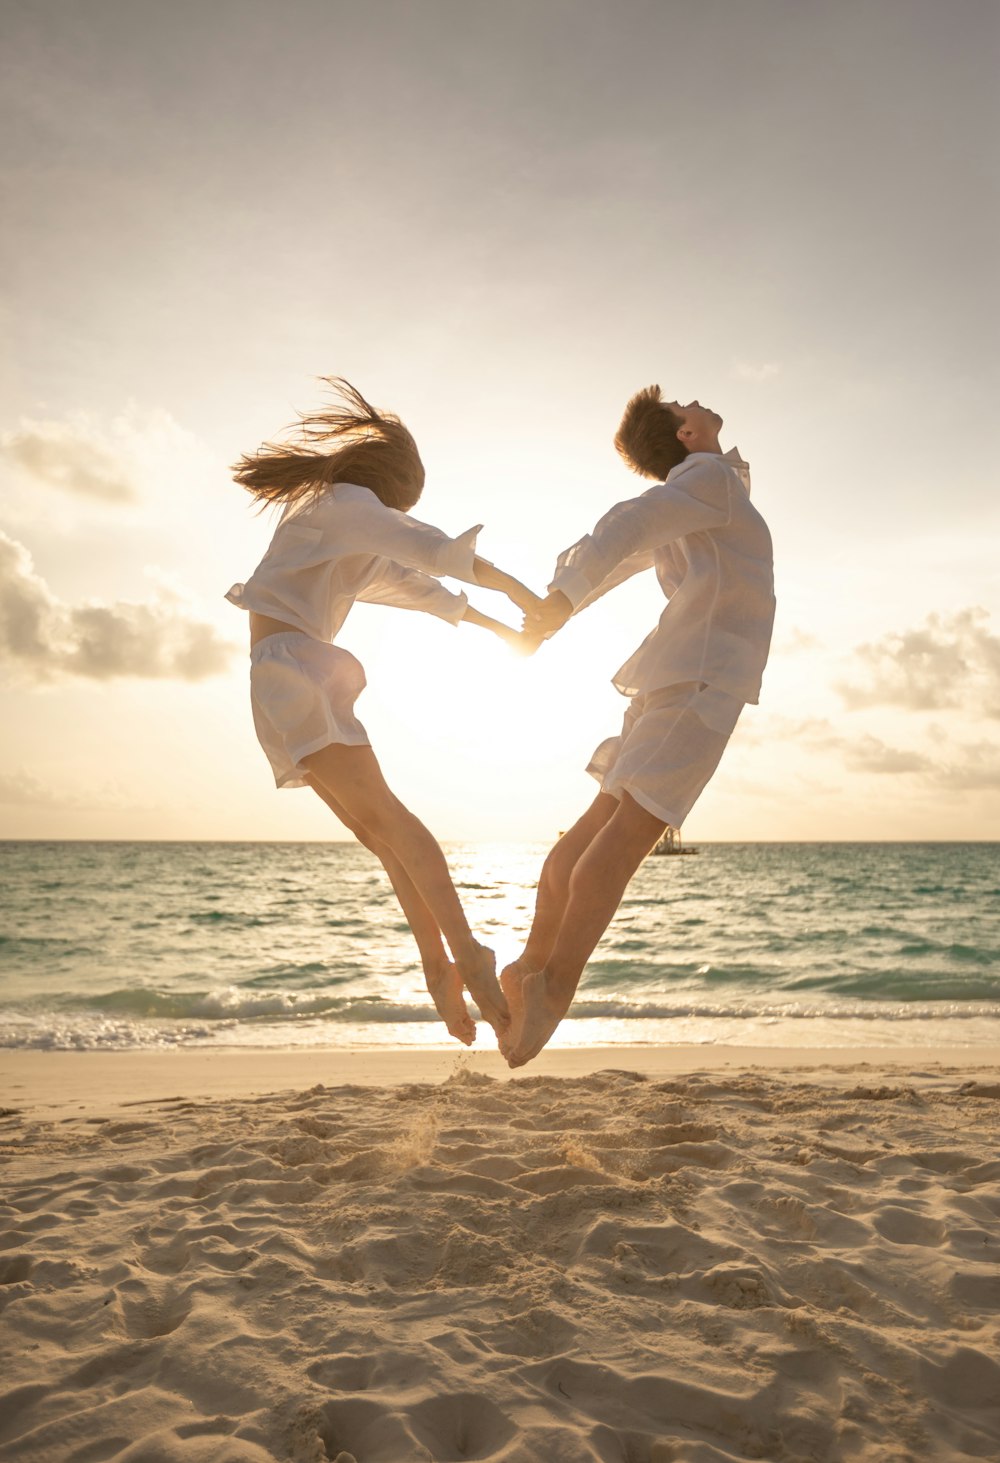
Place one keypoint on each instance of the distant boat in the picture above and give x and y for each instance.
(671, 842)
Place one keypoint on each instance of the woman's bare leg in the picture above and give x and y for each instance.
(353, 778)
(444, 983)
(598, 881)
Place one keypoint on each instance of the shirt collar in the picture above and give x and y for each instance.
(739, 466)
(732, 457)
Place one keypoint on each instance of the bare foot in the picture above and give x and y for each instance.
(448, 994)
(540, 1015)
(480, 979)
(511, 978)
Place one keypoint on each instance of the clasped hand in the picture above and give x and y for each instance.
(543, 619)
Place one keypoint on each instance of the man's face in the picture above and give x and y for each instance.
(697, 420)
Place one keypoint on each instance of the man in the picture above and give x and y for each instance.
(687, 684)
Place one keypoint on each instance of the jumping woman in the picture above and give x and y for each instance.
(346, 480)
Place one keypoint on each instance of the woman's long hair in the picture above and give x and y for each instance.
(647, 435)
(350, 442)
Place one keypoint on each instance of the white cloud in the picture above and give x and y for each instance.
(113, 462)
(869, 754)
(74, 456)
(950, 661)
(21, 789)
(46, 639)
(949, 765)
(757, 371)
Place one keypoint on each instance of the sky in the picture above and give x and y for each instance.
(499, 221)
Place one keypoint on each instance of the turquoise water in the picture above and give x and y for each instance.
(106, 945)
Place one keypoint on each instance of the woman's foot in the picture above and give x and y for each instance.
(448, 994)
(478, 973)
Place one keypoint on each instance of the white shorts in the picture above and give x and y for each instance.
(671, 742)
(302, 693)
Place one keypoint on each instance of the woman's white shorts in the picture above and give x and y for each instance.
(302, 692)
(671, 742)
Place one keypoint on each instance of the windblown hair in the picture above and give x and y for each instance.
(647, 436)
(350, 442)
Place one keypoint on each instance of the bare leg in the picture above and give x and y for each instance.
(550, 904)
(554, 882)
(598, 881)
(442, 978)
(353, 778)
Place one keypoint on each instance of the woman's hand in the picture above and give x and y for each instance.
(516, 639)
(550, 616)
(490, 577)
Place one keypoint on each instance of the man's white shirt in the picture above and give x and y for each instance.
(712, 554)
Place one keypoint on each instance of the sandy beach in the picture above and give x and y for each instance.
(635, 1255)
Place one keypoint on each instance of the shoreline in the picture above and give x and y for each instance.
(54, 1084)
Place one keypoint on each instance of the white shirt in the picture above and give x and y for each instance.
(712, 554)
(345, 544)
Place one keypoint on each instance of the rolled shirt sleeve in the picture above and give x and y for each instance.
(410, 589)
(365, 525)
(631, 531)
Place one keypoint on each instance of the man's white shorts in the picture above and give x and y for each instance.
(671, 742)
(302, 692)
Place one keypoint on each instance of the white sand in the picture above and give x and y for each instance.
(712, 1255)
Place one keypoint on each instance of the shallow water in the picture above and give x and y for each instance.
(165, 944)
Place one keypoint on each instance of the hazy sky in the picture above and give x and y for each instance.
(500, 220)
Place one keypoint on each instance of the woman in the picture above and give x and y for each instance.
(346, 483)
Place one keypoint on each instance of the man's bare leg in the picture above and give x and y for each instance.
(353, 778)
(553, 884)
(598, 881)
(443, 981)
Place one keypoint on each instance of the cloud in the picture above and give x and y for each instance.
(21, 789)
(872, 755)
(954, 767)
(46, 639)
(977, 769)
(950, 661)
(795, 642)
(757, 371)
(73, 456)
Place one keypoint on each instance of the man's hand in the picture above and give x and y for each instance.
(551, 615)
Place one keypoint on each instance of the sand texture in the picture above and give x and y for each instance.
(614, 1267)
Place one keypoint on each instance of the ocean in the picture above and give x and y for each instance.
(158, 945)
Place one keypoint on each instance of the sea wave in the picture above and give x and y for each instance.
(129, 1019)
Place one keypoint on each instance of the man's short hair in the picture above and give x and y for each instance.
(647, 435)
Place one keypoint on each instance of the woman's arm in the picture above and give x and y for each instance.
(490, 577)
(513, 638)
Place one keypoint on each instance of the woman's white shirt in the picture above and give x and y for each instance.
(344, 545)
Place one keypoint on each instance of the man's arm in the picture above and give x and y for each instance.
(626, 538)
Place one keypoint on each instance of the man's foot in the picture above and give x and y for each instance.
(448, 994)
(540, 1014)
(479, 976)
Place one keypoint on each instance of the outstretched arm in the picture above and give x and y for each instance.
(490, 577)
(552, 613)
(513, 638)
